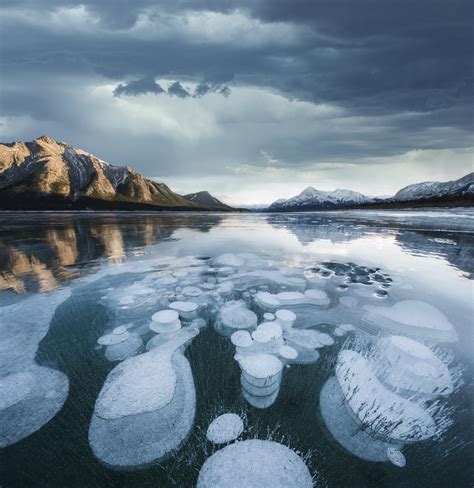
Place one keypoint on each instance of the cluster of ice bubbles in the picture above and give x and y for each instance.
(387, 389)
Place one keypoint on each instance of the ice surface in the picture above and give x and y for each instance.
(225, 428)
(254, 464)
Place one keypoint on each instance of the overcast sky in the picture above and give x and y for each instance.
(252, 100)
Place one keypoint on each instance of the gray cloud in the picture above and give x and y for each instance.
(177, 89)
(138, 87)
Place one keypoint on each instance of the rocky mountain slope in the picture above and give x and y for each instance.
(47, 174)
(312, 199)
(205, 198)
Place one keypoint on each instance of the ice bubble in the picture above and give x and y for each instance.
(225, 428)
(207, 286)
(254, 464)
(268, 316)
(125, 349)
(198, 323)
(191, 291)
(260, 366)
(180, 274)
(228, 259)
(29, 399)
(318, 296)
(347, 327)
(415, 316)
(348, 302)
(396, 457)
(290, 297)
(236, 316)
(14, 387)
(187, 310)
(339, 332)
(165, 316)
(241, 338)
(119, 330)
(308, 338)
(112, 339)
(344, 427)
(127, 300)
(414, 367)
(261, 401)
(266, 300)
(266, 332)
(288, 352)
(225, 288)
(165, 321)
(370, 401)
(146, 407)
(156, 341)
(285, 317)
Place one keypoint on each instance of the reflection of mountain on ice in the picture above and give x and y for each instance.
(82, 239)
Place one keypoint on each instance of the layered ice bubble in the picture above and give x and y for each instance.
(146, 406)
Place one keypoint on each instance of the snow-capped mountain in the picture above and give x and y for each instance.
(464, 187)
(312, 199)
(205, 198)
(45, 173)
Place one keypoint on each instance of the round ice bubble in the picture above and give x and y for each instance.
(225, 428)
(241, 338)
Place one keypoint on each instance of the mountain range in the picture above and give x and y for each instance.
(47, 174)
(429, 193)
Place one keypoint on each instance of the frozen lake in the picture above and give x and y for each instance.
(124, 335)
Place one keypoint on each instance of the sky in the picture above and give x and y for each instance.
(252, 100)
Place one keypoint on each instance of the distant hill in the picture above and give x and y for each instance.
(312, 199)
(429, 193)
(205, 198)
(48, 174)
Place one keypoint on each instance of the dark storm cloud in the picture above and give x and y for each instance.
(138, 87)
(177, 89)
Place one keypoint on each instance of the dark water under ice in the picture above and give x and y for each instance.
(428, 254)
